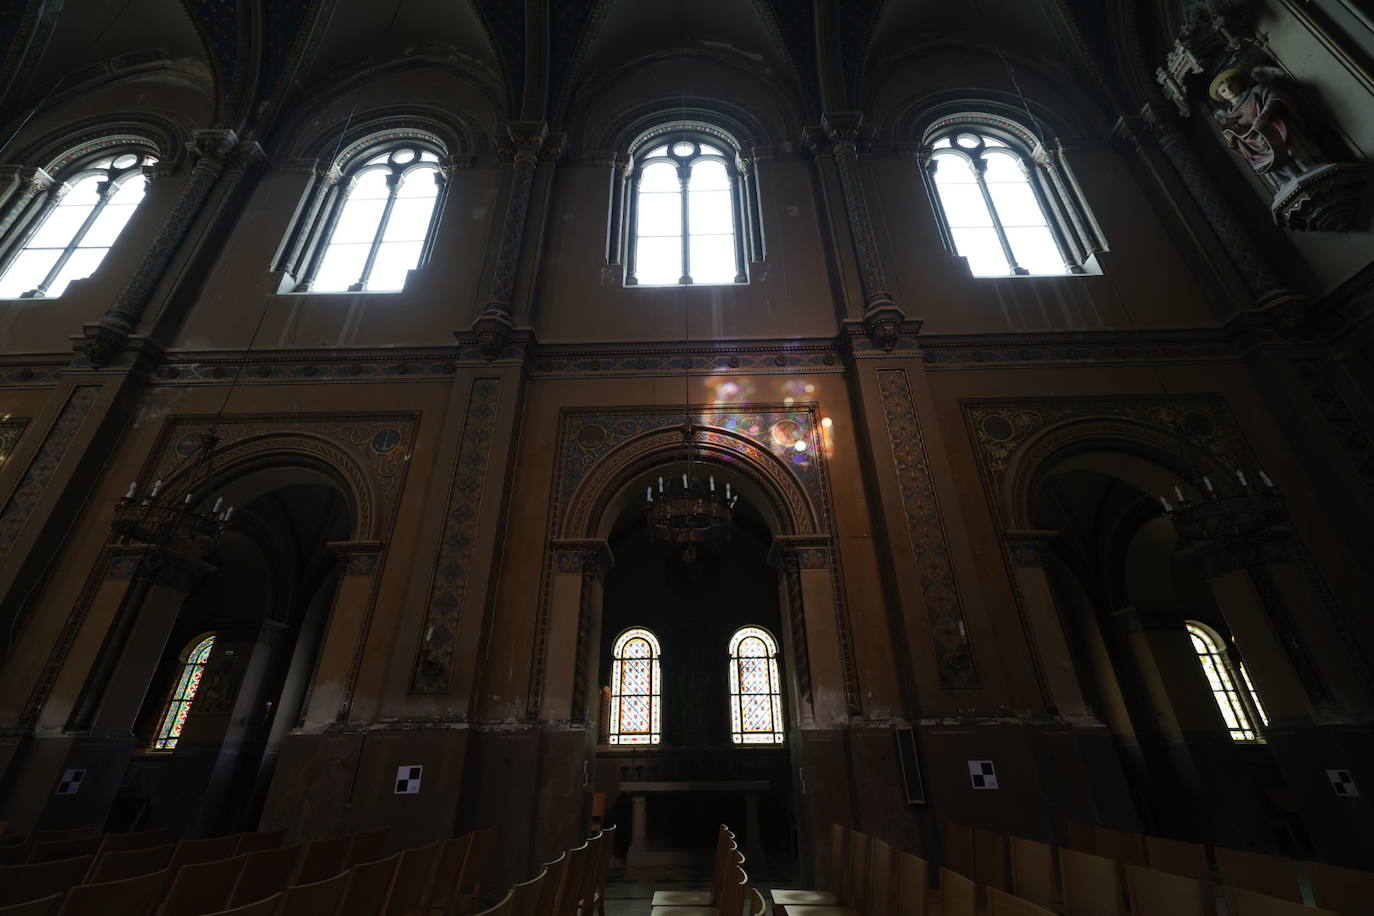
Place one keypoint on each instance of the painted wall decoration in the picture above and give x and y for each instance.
(921, 506)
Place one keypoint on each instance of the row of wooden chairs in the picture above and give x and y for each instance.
(1147, 874)
(729, 890)
(865, 877)
(574, 884)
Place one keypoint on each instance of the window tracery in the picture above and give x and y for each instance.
(1235, 697)
(755, 688)
(77, 223)
(636, 689)
(179, 706)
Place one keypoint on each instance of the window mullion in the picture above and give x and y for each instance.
(41, 289)
(737, 208)
(978, 166)
(632, 220)
(393, 185)
(1051, 219)
(685, 179)
(320, 247)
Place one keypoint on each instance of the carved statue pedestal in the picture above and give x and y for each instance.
(1325, 199)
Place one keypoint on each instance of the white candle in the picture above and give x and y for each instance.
(157, 487)
(1207, 482)
(1240, 475)
(215, 508)
(1264, 479)
(727, 490)
(228, 513)
(713, 483)
(1165, 503)
(187, 501)
(660, 485)
(133, 488)
(1179, 493)
(684, 481)
(649, 494)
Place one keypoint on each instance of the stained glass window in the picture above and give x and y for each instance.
(179, 706)
(755, 689)
(83, 216)
(1234, 705)
(636, 689)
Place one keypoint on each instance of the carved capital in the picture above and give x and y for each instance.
(492, 328)
(100, 341)
(211, 148)
(523, 142)
(1028, 548)
(587, 557)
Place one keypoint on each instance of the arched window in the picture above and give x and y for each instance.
(636, 689)
(179, 706)
(688, 202)
(370, 220)
(1004, 204)
(755, 689)
(1236, 698)
(80, 218)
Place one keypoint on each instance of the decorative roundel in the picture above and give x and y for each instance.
(385, 441)
(997, 428)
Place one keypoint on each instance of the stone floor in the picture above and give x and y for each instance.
(628, 894)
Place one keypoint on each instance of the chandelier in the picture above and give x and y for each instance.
(1230, 514)
(693, 511)
(160, 521)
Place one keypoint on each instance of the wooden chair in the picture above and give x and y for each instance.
(1080, 837)
(366, 847)
(1274, 876)
(1090, 883)
(54, 850)
(1241, 902)
(586, 888)
(553, 883)
(1158, 893)
(323, 859)
(910, 883)
(315, 897)
(129, 863)
(368, 884)
(959, 849)
(256, 842)
(1032, 871)
(834, 881)
(448, 874)
(731, 902)
(264, 873)
(25, 883)
(267, 906)
(524, 897)
(202, 887)
(500, 909)
(958, 895)
(598, 808)
(474, 870)
(1344, 890)
(196, 852)
(720, 865)
(572, 882)
(1121, 845)
(45, 907)
(877, 896)
(1178, 857)
(990, 859)
(17, 853)
(412, 874)
(1000, 903)
(143, 839)
(71, 833)
(597, 898)
(130, 897)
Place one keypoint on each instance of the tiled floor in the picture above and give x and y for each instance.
(629, 894)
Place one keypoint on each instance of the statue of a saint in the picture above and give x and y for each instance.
(1263, 125)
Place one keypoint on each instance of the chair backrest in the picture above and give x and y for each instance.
(47, 906)
(856, 874)
(368, 884)
(143, 839)
(524, 900)
(16, 854)
(323, 859)
(130, 897)
(265, 872)
(733, 895)
(834, 882)
(412, 875)
(500, 909)
(990, 859)
(1032, 871)
(1080, 836)
(194, 852)
(1240, 902)
(572, 881)
(1344, 890)
(267, 906)
(53, 850)
(475, 865)
(757, 905)
(586, 890)
(1154, 891)
(1178, 857)
(958, 895)
(598, 808)
(129, 863)
(256, 842)
(553, 882)
(73, 833)
(879, 877)
(603, 862)
(22, 883)
(911, 882)
(1123, 846)
(1091, 884)
(727, 859)
(1274, 876)
(367, 846)
(448, 873)
(959, 848)
(317, 896)
(203, 887)
(1000, 903)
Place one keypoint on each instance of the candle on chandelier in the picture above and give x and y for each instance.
(1264, 479)
(1165, 503)
(1207, 482)
(1178, 491)
(684, 481)
(157, 487)
(133, 488)
(713, 483)
(1240, 475)
(660, 485)
(214, 510)
(649, 494)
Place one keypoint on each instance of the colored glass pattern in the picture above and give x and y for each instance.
(1231, 704)
(636, 689)
(755, 688)
(179, 707)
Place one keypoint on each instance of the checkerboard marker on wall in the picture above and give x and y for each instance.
(70, 783)
(408, 780)
(982, 774)
(1342, 783)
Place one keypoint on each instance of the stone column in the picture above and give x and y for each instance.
(821, 654)
(639, 831)
(839, 137)
(1053, 662)
(524, 143)
(579, 575)
(336, 669)
(210, 150)
(19, 185)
